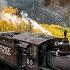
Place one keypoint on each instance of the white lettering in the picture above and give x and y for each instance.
(5, 50)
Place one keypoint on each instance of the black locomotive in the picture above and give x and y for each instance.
(29, 51)
(59, 57)
(25, 51)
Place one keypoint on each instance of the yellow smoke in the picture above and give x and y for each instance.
(8, 14)
(9, 9)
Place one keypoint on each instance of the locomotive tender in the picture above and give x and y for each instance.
(25, 51)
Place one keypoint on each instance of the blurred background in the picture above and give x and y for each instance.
(52, 15)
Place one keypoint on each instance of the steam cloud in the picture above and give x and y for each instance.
(16, 20)
(3, 3)
(34, 23)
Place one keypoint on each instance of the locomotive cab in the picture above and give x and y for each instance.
(35, 51)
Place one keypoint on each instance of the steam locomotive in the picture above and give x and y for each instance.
(24, 51)
(29, 51)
